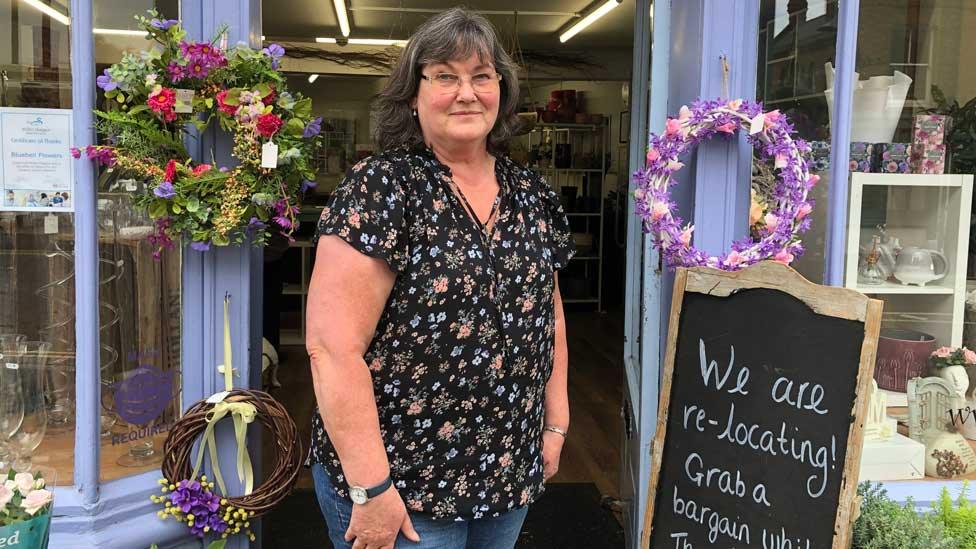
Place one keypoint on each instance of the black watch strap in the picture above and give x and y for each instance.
(379, 489)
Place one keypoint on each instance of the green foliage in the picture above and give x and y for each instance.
(959, 518)
(884, 524)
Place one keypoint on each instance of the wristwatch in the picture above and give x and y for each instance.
(360, 495)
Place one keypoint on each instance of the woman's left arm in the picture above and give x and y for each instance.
(557, 391)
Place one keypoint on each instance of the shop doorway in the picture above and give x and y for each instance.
(577, 97)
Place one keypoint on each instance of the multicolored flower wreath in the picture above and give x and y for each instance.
(789, 207)
(155, 96)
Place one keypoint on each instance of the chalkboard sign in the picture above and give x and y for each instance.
(762, 408)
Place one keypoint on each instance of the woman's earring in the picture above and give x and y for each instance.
(415, 113)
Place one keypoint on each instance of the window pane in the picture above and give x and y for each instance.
(36, 242)
(139, 295)
(796, 39)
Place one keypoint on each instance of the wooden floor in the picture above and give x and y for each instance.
(592, 452)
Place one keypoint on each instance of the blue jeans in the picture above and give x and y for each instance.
(490, 533)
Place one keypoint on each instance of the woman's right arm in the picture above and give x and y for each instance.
(346, 297)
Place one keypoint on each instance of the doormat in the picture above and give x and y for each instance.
(567, 516)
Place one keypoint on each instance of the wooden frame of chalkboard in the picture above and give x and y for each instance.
(737, 490)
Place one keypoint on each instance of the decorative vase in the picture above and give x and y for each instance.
(902, 355)
(957, 377)
(878, 103)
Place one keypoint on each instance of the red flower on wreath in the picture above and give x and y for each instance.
(162, 101)
(170, 173)
(267, 99)
(268, 125)
(229, 110)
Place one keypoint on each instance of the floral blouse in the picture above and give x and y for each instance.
(464, 348)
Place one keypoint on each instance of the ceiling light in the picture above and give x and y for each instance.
(120, 32)
(377, 42)
(588, 20)
(321, 40)
(49, 11)
(312, 78)
(342, 16)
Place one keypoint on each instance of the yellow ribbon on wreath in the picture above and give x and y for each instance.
(243, 413)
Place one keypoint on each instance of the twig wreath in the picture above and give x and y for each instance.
(196, 502)
(153, 97)
(789, 207)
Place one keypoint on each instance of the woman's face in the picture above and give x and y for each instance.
(459, 114)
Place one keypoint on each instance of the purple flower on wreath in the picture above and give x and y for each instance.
(200, 246)
(313, 128)
(163, 24)
(106, 82)
(165, 190)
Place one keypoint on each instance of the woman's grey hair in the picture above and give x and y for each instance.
(450, 36)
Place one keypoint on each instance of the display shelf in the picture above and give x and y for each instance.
(923, 211)
(898, 288)
(576, 145)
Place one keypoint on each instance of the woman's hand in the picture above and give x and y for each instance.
(552, 447)
(375, 524)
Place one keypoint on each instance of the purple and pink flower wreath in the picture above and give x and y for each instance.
(789, 206)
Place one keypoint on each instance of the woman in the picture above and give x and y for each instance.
(435, 326)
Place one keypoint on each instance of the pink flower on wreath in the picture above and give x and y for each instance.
(804, 210)
(771, 221)
(674, 165)
(734, 105)
(771, 118)
(659, 210)
(673, 126)
(652, 155)
(813, 180)
(728, 127)
(783, 256)
(969, 356)
(734, 259)
(268, 125)
(685, 237)
(781, 161)
(684, 113)
(942, 352)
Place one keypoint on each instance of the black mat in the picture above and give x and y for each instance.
(567, 516)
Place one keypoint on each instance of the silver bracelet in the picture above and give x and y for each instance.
(556, 430)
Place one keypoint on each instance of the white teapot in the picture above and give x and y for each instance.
(918, 266)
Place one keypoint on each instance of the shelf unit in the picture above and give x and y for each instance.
(924, 211)
(580, 151)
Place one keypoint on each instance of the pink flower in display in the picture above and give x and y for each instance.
(268, 125)
(969, 356)
(162, 100)
(201, 169)
(942, 352)
(36, 500)
(6, 494)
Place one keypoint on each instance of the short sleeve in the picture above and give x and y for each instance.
(561, 243)
(367, 211)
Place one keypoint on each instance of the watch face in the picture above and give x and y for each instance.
(358, 495)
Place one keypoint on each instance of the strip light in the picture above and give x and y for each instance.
(364, 41)
(342, 15)
(120, 32)
(49, 11)
(588, 20)
(312, 78)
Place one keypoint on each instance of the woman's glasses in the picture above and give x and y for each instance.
(448, 82)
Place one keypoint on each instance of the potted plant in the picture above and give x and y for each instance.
(25, 510)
